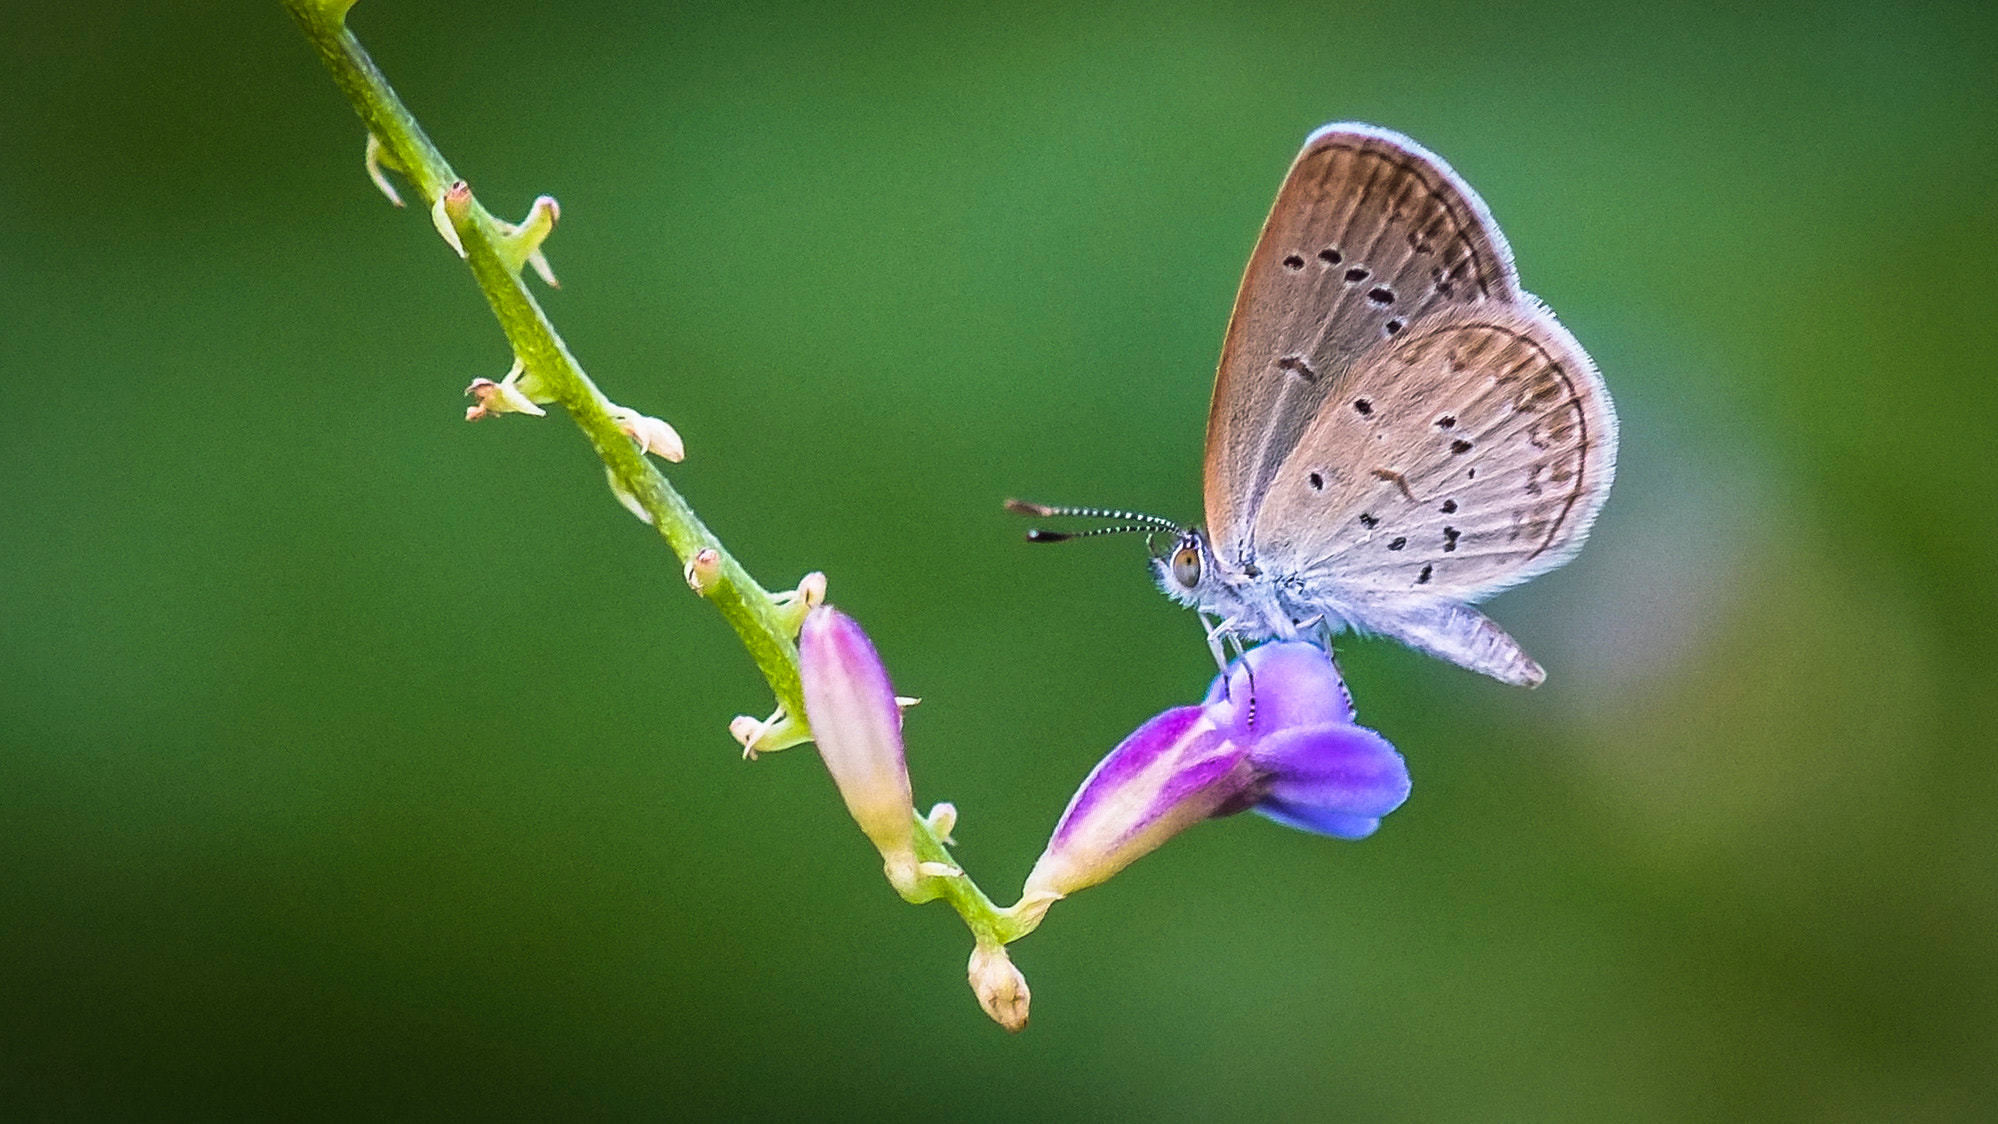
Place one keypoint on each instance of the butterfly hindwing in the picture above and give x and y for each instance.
(1468, 455)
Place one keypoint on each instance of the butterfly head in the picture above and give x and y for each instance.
(1188, 573)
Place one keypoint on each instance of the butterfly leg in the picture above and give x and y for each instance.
(1221, 636)
(1216, 632)
(1249, 671)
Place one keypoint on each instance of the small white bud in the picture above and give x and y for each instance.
(653, 435)
(503, 397)
(812, 587)
(520, 243)
(942, 820)
(793, 604)
(704, 570)
(744, 730)
(779, 731)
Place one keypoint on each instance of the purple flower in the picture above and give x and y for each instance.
(858, 726)
(1275, 734)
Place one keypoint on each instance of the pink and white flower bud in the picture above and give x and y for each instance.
(850, 705)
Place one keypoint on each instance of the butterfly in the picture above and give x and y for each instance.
(1398, 430)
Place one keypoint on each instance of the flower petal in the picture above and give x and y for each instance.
(1171, 773)
(1337, 770)
(1318, 821)
(1293, 683)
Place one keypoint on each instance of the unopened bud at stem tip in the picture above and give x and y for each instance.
(1001, 989)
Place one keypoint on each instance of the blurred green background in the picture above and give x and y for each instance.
(358, 762)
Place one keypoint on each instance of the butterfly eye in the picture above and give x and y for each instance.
(1186, 566)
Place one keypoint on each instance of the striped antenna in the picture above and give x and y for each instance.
(1039, 535)
(1133, 521)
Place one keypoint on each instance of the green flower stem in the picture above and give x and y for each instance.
(746, 605)
(988, 922)
(743, 603)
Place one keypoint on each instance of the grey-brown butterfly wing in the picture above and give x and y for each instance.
(1470, 453)
(1369, 233)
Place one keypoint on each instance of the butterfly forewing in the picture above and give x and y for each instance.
(1469, 454)
(1370, 233)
